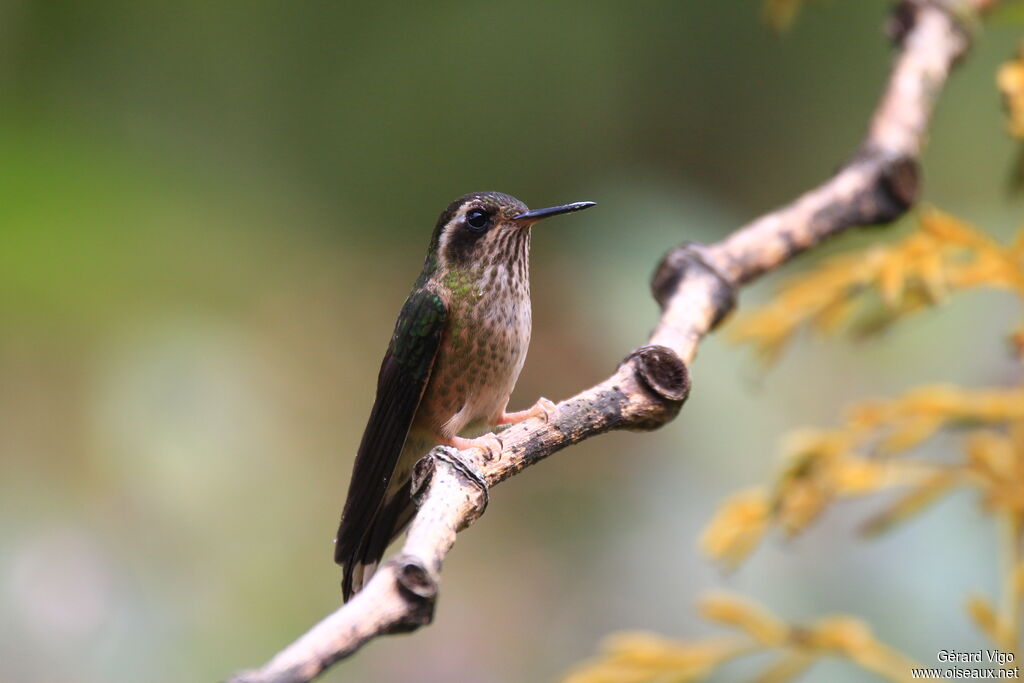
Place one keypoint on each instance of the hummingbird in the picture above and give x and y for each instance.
(455, 355)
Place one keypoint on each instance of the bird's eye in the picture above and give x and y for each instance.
(477, 220)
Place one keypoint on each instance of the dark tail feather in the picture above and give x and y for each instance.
(360, 555)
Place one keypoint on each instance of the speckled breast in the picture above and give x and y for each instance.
(481, 355)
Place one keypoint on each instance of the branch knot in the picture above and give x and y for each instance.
(419, 590)
(963, 15)
(452, 457)
(899, 182)
(662, 371)
(682, 262)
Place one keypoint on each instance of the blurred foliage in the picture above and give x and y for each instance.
(863, 457)
(645, 658)
(864, 292)
(1011, 84)
(868, 291)
(1010, 80)
(857, 459)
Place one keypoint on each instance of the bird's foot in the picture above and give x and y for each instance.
(488, 443)
(542, 408)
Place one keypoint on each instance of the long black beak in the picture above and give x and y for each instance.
(535, 215)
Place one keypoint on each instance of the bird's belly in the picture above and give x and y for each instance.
(475, 372)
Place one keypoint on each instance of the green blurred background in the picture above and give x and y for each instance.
(211, 212)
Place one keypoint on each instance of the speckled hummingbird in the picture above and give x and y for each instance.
(454, 358)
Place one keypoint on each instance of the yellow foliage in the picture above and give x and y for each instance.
(928, 490)
(860, 476)
(919, 413)
(1010, 80)
(649, 658)
(645, 658)
(807, 480)
(800, 503)
(996, 462)
(984, 617)
(737, 527)
(743, 614)
(864, 456)
(853, 639)
(944, 255)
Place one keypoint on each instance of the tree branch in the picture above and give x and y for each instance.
(695, 285)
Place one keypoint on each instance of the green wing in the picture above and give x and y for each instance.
(404, 374)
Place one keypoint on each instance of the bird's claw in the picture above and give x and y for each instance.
(488, 443)
(544, 407)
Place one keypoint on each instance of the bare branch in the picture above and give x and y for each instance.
(695, 285)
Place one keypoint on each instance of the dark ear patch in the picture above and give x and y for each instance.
(462, 240)
(497, 202)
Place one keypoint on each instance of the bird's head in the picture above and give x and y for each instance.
(488, 228)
